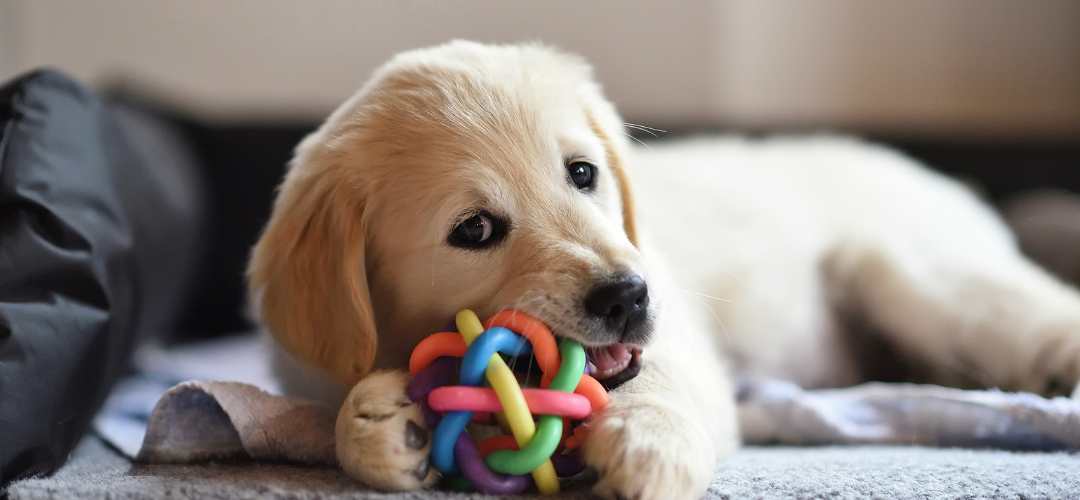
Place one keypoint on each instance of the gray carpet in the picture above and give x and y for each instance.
(760, 472)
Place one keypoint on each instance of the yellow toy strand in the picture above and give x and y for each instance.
(515, 408)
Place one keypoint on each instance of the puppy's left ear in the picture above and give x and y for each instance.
(307, 273)
(615, 158)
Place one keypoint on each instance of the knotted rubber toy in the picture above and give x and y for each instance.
(565, 392)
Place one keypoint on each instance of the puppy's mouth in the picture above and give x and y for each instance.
(614, 364)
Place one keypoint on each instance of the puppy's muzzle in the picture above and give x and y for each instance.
(621, 306)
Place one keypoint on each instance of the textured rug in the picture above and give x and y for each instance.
(96, 471)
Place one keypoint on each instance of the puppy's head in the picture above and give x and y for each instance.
(463, 176)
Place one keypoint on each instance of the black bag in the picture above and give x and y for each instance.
(96, 239)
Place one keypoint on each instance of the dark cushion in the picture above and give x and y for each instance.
(83, 218)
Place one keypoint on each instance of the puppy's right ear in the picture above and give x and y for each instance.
(307, 275)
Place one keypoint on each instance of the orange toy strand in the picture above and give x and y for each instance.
(547, 353)
(576, 437)
(436, 346)
(591, 389)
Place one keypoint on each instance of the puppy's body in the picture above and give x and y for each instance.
(756, 256)
(801, 247)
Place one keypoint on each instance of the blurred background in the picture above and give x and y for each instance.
(981, 68)
(988, 90)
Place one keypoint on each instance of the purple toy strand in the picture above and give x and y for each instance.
(567, 465)
(439, 373)
(474, 468)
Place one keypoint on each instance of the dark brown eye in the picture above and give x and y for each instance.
(479, 231)
(582, 174)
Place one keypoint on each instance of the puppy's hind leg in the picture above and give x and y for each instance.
(966, 308)
(381, 437)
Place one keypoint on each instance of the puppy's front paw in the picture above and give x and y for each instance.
(644, 449)
(381, 437)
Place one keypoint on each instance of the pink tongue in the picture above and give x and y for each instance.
(612, 357)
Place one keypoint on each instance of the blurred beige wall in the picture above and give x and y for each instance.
(974, 67)
(968, 66)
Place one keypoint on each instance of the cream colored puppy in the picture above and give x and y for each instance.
(491, 177)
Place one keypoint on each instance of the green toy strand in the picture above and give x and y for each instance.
(572, 367)
(549, 428)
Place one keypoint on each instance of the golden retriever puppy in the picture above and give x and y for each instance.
(491, 177)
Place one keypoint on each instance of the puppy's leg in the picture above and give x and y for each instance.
(969, 312)
(664, 431)
(381, 437)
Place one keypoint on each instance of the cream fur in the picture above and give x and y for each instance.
(754, 252)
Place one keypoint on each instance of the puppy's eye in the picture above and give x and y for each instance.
(479, 231)
(582, 174)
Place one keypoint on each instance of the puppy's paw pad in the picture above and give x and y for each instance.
(416, 436)
(381, 440)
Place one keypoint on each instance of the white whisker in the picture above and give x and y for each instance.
(721, 327)
(646, 128)
(635, 139)
(705, 295)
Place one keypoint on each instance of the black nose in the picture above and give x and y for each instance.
(621, 303)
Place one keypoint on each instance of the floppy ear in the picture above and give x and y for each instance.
(307, 272)
(622, 179)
